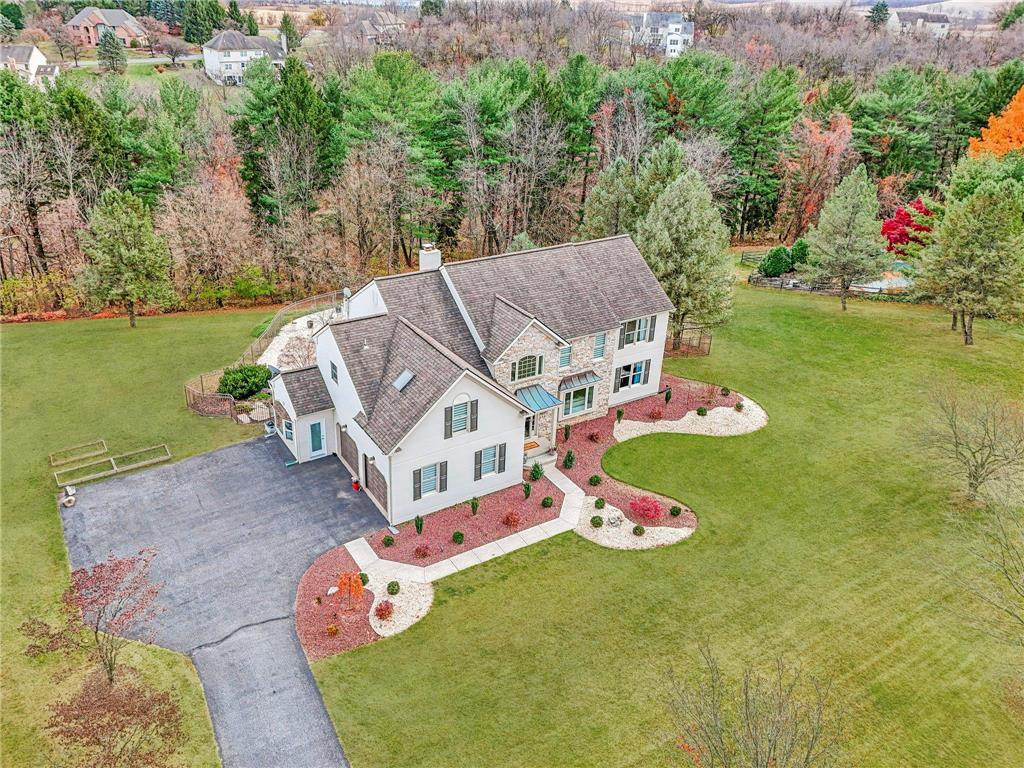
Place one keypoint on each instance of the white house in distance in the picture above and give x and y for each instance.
(226, 56)
(666, 32)
(28, 62)
(908, 22)
(440, 385)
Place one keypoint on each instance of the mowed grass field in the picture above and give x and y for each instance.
(65, 383)
(825, 537)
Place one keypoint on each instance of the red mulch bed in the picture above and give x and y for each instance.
(484, 527)
(312, 620)
(590, 439)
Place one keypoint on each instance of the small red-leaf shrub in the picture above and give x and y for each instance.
(512, 519)
(422, 552)
(646, 507)
(332, 630)
(384, 610)
(594, 437)
(656, 413)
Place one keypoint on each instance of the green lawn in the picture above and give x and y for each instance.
(65, 383)
(824, 536)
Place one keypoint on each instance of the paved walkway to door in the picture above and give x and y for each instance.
(234, 530)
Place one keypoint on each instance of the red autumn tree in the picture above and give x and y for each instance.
(811, 171)
(104, 605)
(124, 724)
(1005, 132)
(909, 229)
(351, 586)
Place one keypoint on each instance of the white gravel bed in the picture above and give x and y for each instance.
(622, 536)
(295, 329)
(411, 604)
(722, 421)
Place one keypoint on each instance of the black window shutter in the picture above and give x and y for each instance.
(647, 370)
(622, 336)
(447, 422)
(650, 335)
(477, 461)
(442, 479)
(473, 414)
(501, 457)
(416, 492)
(618, 373)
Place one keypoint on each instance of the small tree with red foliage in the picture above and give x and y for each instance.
(909, 230)
(103, 607)
(122, 724)
(350, 585)
(647, 507)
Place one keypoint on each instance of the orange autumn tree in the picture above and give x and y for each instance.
(1005, 131)
(351, 585)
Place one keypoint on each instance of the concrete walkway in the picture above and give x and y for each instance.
(568, 517)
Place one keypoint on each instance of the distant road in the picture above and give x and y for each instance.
(147, 60)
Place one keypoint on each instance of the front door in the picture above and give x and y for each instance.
(316, 438)
(530, 429)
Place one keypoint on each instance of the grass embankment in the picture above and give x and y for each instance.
(65, 383)
(824, 536)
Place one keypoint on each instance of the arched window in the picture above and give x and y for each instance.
(460, 413)
(527, 367)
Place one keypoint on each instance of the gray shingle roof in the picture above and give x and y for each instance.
(507, 322)
(233, 40)
(113, 17)
(19, 54)
(307, 390)
(575, 289)
(912, 17)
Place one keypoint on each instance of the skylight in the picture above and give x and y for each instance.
(403, 379)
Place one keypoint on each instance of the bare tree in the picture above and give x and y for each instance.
(155, 31)
(979, 439)
(173, 48)
(24, 169)
(775, 719)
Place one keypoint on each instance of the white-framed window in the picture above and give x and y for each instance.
(578, 401)
(432, 478)
(227, 66)
(289, 430)
(632, 374)
(527, 367)
(460, 416)
(334, 372)
(599, 342)
(489, 460)
(634, 331)
(428, 479)
(565, 356)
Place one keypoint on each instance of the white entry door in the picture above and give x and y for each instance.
(317, 444)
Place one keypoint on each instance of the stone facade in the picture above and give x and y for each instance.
(535, 341)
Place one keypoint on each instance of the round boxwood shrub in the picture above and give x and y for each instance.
(364, 577)
(638, 530)
(799, 252)
(725, 391)
(594, 480)
(547, 501)
(599, 504)
(243, 381)
(388, 540)
(702, 411)
(536, 471)
(597, 521)
(776, 262)
(675, 511)
(458, 537)
(393, 587)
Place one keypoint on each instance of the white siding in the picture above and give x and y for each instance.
(652, 350)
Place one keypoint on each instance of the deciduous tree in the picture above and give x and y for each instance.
(1005, 132)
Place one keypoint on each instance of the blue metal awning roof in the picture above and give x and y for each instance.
(536, 398)
(578, 380)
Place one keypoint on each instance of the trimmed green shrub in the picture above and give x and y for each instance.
(536, 471)
(418, 522)
(594, 480)
(638, 530)
(364, 577)
(597, 521)
(569, 459)
(599, 503)
(675, 511)
(702, 411)
(776, 262)
(619, 413)
(243, 381)
(668, 395)
(527, 490)
(799, 252)
(474, 505)
(458, 537)
(388, 540)
(565, 431)
(725, 391)
(393, 588)
(738, 406)
(547, 501)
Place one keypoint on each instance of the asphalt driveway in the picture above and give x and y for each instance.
(234, 530)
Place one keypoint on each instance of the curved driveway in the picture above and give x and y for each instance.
(234, 531)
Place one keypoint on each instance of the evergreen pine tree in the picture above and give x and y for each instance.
(289, 31)
(610, 202)
(659, 169)
(111, 53)
(684, 241)
(250, 26)
(234, 12)
(255, 131)
(878, 16)
(846, 245)
(431, 7)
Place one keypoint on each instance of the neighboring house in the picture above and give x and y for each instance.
(440, 385)
(89, 23)
(906, 22)
(226, 56)
(382, 28)
(667, 33)
(28, 62)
